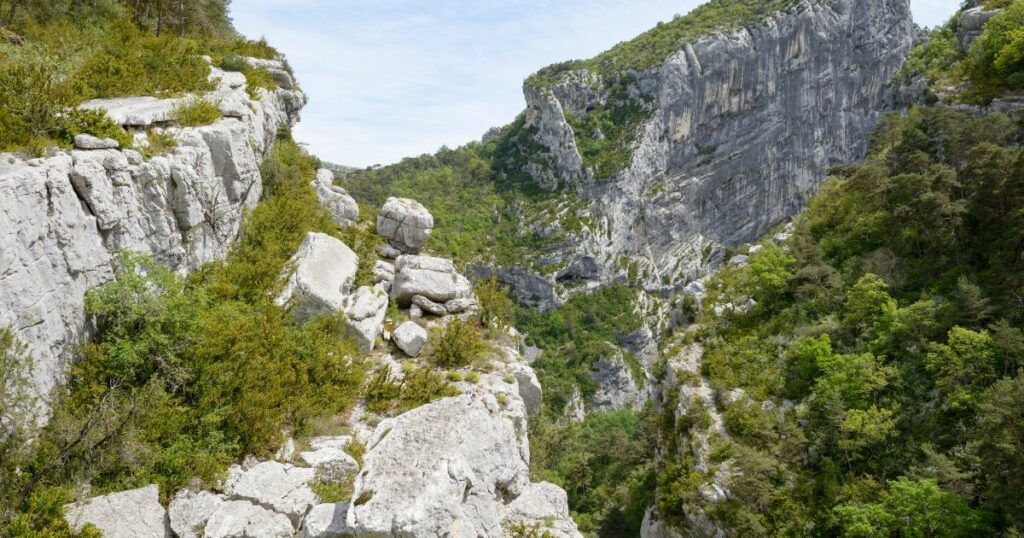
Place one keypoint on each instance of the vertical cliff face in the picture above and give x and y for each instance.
(739, 130)
(63, 218)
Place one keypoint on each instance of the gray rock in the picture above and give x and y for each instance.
(364, 315)
(141, 112)
(739, 260)
(88, 141)
(410, 338)
(458, 306)
(415, 312)
(433, 278)
(344, 209)
(383, 272)
(324, 271)
(616, 387)
(277, 486)
(545, 507)
(575, 410)
(330, 441)
(387, 251)
(135, 513)
(529, 388)
(327, 521)
(189, 511)
(331, 463)
(428, 306)
(405, 223)
(972, 23)
(243, 519)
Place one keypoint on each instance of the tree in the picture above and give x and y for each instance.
(868, 303)
(961, 367)
(1000, 448)
(911, 509)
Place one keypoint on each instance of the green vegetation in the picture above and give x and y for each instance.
(185, 376)
(604, 463)
(896, 321)
(419, 386)
(70, 52)
(159, 142)
(457, 345)
(605, 135)
(195, 111)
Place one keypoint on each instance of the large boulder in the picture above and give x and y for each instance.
(327, 521)
(410, 338)
(433, 278)
(244, 519)
(443, 469)
(325, 269)
(189, 511)
(277, 486)
(135, 513)
(344, 209)
(405, 223)
(364, 314)
(542, 506)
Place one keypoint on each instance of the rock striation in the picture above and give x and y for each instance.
(62, 218)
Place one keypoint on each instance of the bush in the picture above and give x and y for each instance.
(94, 122)
(458, 345)
(195, 111)
(159, 142)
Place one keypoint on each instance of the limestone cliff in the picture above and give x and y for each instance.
(64, 217)
(737, 131)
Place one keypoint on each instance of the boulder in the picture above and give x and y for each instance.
(458, 306)
(331, 463)
(135, 513)
(410, 338)
(280, 487)
(387, 251)
(327, 521)
(972, 22)
(243, 519)
(529, 387)
(383, 272)
(88, 141)
(405, 223)
(739, 260)
(141, 112)
(433, 278)
(415, 312)
(189, 511)
(443, 469)
(428, 306)
(364, 315)
(344, 209)
(325, 269)
(542, 506)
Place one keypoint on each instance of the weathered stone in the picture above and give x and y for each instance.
(364, 315)
(277, 486)
(189, 511)
(383, 272)
(324, 271)
(616, 386)
(529, 387)
(327, 521)
(405, 223)
(330, 441)
(243, 519)
(332, 464)
(88, 141)
(433, 278)
(415, 312)
(428, 306)
(542, 506)
(127, 514)
(410, 338)
(458, 306)
(344, 209)
(387, 251)
(971, 23)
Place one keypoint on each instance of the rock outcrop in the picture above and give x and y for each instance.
(617, 388)
(740, 129)
(323, 272)
(432, 278)
(62, 218)
(405, 223)
(344, 209)
(135, 513)
(364, 314)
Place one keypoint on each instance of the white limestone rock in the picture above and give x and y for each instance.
(387, 251)
(325, 269)
(344, 209)
(383, 272)
(428, 306)
(331, 463)
(189, 511)
(88, 141)
(364, 315)
(529, 387)
(135, 513)
(280, 487)
(330, 441)
(542, 506)
(243, 519)
(458, 306)
(433, 278)
(410, 338)
(443, 469)
(140, 112)
(405, 223)
(327, 521)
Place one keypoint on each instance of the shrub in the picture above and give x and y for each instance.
(195, 111)
(257, 77)
(496, 307)
(233, 62)
(382, 392)
(94, 122)
(457, 345)
(159, 142)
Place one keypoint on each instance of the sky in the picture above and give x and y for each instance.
(388, 79)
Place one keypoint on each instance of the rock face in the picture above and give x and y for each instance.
(972, 22)
(364, 313)
(616, 386)
(453, 467)
(405, 223)
(324, 271)
(127, 514)
(243, 519)
(343, 207)
(433, 278)
(189, 511)
(87, 141)
(741, 130)
(277, 486)
(62, 218)
(544, 507)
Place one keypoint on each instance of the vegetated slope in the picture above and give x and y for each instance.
(874, 390)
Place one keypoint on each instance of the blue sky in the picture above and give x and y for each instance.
(395, 78)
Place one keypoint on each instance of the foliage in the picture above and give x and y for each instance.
(996, 62)
(418, 387)
(496, 307)
(457, 345)
(159, 142)
(195, 111)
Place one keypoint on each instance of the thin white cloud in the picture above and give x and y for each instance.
(395, 78)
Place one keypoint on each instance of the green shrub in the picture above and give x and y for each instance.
(94, 122)
(333, 491)
(159, 142)
(195, 111)
(383, 392)
(356, 449)
(233, 62)
(457, 346)
(496, 307)
(256, 78)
